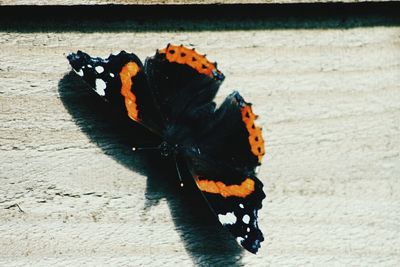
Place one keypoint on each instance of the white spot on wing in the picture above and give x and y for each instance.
(241, 206)
(248, 229)
(99, 69)
(112, 75)
(89, 66)
(228, 218)
(246, 219)
(80, 72)
(100, 87)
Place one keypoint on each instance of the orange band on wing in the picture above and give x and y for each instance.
(242, 190)
(183, 55)
(255, 135)
(130, 70)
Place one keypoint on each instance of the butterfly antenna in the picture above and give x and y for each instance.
(145, 148)
(177, 170)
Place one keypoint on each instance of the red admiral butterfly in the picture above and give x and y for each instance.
(172, 96)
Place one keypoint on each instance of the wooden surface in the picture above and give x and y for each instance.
(329, 103)
(156, 2)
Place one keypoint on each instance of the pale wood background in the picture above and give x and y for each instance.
(329, 103)
(179, 2)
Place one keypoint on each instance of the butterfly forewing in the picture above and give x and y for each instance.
(120, 80)
(236, 206)
(234, 196)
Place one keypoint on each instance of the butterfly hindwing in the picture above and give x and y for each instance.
(232, 136)
(184, 84)
(120, 80)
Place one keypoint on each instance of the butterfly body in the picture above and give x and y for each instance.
(172, 96)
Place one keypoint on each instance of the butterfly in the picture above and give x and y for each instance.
(171, 95)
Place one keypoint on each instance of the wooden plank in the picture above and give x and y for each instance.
(329, 103)
(168, 2)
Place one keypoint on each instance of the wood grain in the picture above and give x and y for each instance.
(329, 103)
(163, 2)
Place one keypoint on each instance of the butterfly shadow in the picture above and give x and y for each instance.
(207, 243)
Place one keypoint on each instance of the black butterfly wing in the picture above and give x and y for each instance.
(232, 136)
(184, 84)
(121, 81)
(229, 150)
(234, 197)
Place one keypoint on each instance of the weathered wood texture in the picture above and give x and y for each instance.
(329, 103)
(159, 2)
